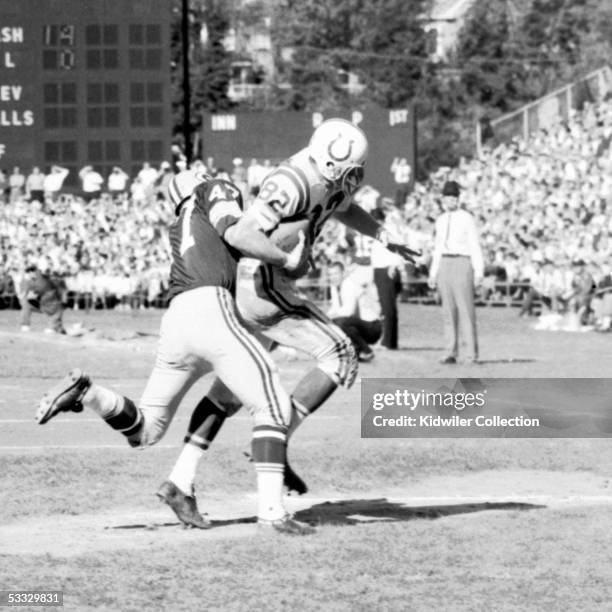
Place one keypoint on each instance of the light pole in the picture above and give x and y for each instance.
(186, 81)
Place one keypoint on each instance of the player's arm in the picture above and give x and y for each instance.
(242, 231)
(279, 198)
(246, 236)
(361, 221)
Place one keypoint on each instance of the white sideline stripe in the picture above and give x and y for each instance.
(81, 446)
(97, 420)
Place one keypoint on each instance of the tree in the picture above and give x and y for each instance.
(210, 63)
(381, 41)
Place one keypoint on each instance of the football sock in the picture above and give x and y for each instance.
(269, 453)
(118, 411)
(204, 425)
(102, 401)
(184, 470)
(308, 396)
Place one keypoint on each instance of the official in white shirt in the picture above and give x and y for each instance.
(456, 268)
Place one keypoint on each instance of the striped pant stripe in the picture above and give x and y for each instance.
(307, 311)
(253, 349)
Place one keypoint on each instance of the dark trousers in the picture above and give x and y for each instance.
(55, 312)
(388, 289)
(362, 333)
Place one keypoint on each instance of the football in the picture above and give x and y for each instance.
(286, 236)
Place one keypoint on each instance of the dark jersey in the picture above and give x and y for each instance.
(44, 292)
(200, 256)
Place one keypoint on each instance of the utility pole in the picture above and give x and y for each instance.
(186, 81)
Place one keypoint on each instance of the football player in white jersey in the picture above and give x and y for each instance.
(314, 184)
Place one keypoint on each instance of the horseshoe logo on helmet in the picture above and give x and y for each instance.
(339, 157)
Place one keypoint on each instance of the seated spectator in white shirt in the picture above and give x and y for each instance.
(34, 185)
(355, 307)
(147, 174)
(117, 181)
(91, 182)
(16, 184)
(54, 181)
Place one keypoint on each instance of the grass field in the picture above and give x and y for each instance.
(402, 524)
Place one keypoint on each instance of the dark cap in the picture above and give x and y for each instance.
(451, 188)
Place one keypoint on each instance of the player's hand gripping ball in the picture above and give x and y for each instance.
(286, 237)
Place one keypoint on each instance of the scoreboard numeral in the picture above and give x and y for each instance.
(66, 59)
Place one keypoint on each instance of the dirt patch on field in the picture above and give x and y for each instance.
(438, 497)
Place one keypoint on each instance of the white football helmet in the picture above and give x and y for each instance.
(339, 150)
(182, 185)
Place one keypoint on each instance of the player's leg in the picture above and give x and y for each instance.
(249, 372)
(142, 425)
(301, 325)
(204, 425)
(311, 331)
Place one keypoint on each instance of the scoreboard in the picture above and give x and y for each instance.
(84, 82)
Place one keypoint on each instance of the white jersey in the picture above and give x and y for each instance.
(296, 189)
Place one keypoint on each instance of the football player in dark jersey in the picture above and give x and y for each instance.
(41, 292)
(201, 331)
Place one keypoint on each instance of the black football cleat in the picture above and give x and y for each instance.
(293, 482)
(184, 506)
(65, 396)
(287, 526)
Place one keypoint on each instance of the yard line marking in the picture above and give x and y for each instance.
(180, 419)
(81, 446)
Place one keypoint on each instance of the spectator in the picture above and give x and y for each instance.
(254, 177)
(117, 182)
(91, 183)
(4, 187)
(35, 185)
(147, 175)
(16, 185)
(138, 192)
(163, 181)
(54, 182)
(355, 307)
(402, 174)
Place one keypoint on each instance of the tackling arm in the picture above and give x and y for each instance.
(246, 236)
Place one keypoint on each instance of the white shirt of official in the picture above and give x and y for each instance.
(456, 234)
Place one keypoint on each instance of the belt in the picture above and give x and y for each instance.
(454, 255)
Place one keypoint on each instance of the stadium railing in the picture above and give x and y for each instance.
(505, 294)
(547, 110)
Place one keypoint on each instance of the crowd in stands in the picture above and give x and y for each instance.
(108, 241)
(544, 211)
